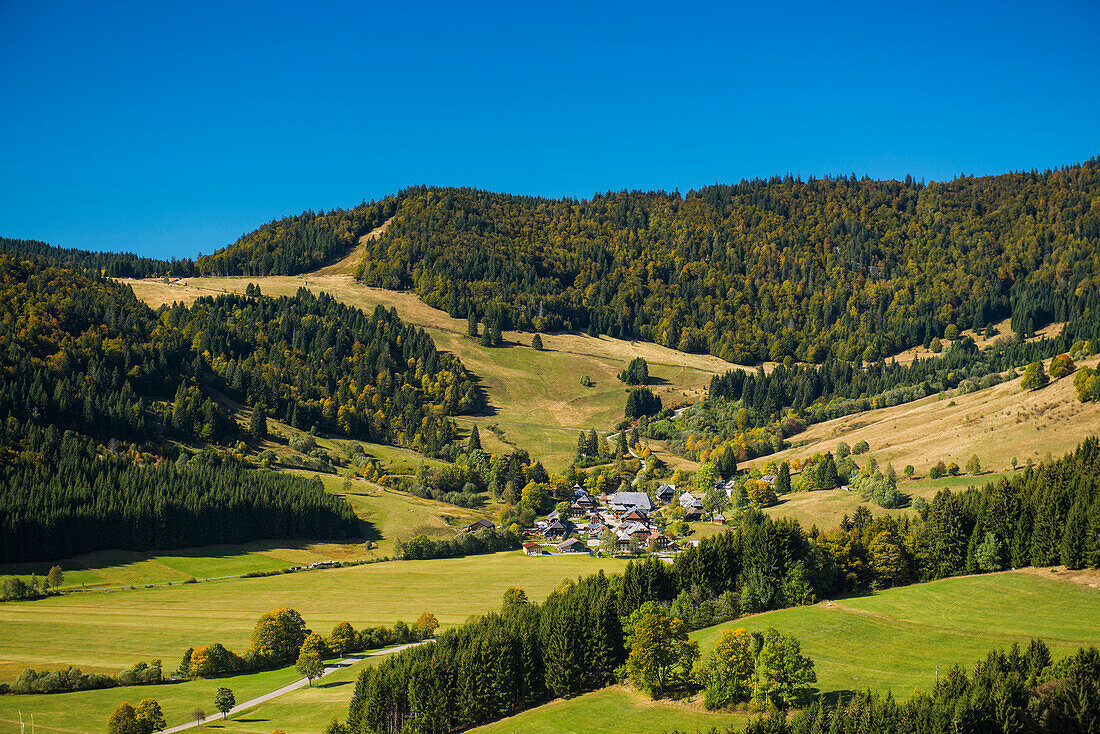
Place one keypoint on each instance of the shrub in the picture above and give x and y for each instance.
(861, 447)
(1061, 366)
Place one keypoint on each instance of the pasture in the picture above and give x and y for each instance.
(535, 397)
(894, 640)
(108, 632)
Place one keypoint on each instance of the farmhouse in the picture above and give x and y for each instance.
(571, 546)
(624, 502)
(532, 549)
(478, 525)
(666, 493)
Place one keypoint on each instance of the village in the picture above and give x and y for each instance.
(629, 523)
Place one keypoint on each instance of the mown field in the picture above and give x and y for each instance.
(535, 397)
(110, 631)
(894, 640)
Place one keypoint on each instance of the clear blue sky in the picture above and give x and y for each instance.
(173, 130)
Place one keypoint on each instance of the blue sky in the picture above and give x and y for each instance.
(171, 130)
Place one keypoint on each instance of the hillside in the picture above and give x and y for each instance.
(996, 424)
(122, 424)
(535, 397)
(836, 267)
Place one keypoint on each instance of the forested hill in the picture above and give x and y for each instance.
(112, 264)
(760, 270)
(98, 389)
(299, 243)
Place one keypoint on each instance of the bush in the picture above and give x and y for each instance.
(1061, 366)
(861, 447)
(1034, 377)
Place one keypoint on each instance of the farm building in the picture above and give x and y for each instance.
(478, 525)
(532, 549)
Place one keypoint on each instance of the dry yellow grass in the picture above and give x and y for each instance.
(996, 424)
(535, 396)
(1003, 328)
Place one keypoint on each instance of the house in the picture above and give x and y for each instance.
(479, 525)
(571, 546)
(637, 515)
(666, 493)
(624, 502)
(559, 528)
(719, 519)
(532, 549)
(659, 541)
(769, 478)
(583, 498)
(577, 510)
(693, 513)
(554, 515)
(687, 499)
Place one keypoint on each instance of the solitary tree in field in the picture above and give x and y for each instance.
(974, 466)
(198, 714)
(309, 664)
(909, 471)
(1061, 366)
(55, 577)
(1034, 377)
(471, 324)
(224, 701)
(536, 342)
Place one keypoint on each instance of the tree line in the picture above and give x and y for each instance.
(63, 494)
(843, 268)
(111, 264)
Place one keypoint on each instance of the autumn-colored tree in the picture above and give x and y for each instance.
(425, 625)
(726, 673)
(315, 643)
(55, 577)
(123, 720)
(344, 639)
(149, 715)
(1034, 377)
(661, 655)
(278, 635)
(513, 597)
(1061, 366)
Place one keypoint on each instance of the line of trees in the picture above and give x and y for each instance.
(63, 495)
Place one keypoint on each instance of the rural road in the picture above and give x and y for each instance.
(301, 683)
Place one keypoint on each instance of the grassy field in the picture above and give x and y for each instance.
(894, 640)
(111, 631)
(996, 424)
(86, 712)
(615, 709)
(535, 397)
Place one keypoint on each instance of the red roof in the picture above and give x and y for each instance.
(531, 544)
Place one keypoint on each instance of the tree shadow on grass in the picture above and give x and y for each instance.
(334, 684)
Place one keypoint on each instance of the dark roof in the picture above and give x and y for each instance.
(479, 524)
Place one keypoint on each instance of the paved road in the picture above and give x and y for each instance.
(329, 669)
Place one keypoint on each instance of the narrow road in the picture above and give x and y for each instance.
(329, 669)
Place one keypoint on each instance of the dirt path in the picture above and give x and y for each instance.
(329, 669)
(346, 265)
